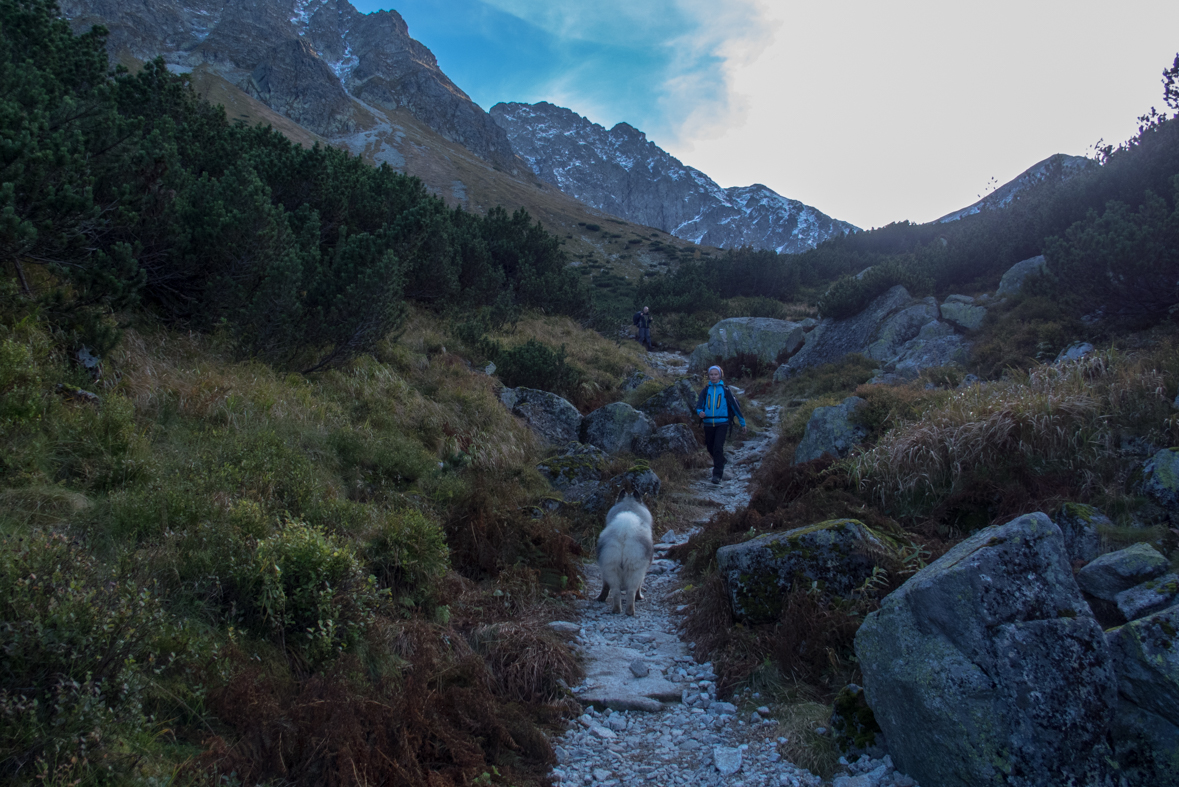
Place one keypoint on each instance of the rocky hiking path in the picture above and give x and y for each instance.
(652, 715)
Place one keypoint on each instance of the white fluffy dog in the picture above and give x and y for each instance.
(625, 549)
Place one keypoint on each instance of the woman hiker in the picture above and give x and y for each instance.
(717, 407)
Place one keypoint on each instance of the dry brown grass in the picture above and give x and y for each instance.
(1058, 421)
(529, 662)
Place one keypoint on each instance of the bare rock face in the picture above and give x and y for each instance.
(988, 667)
(319, 62)
(621, 172)
(768, 341)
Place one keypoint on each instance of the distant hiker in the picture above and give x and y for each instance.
(643, 321)
(717, 408)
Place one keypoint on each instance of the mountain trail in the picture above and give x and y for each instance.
(652, 712)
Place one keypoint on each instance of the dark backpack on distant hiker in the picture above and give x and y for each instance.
(638, 316)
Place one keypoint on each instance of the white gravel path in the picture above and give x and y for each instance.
(686, 735)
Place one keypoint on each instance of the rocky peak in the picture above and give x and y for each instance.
(1054, 169)
(621, 172)
(321, 63)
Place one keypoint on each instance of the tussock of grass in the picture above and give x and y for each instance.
(1053, 420)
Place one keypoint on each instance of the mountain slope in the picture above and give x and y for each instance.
(1055, 168)
(621, 172)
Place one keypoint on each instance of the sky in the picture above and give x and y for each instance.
(872, 111)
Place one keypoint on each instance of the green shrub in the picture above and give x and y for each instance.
(851, 294)
(312, 594)
(77, 640)
(407, 552)
(535, 365)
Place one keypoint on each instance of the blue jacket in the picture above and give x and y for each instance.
(718, 405)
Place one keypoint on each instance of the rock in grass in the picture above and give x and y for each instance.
(552, 418)
(830, 431)
(1114, 572)
(835, 556)
(988, 667)
(1160, 478)
(615, 427)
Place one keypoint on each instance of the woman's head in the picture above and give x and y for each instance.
(715, 374)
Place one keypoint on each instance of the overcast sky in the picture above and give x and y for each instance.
(871, 111)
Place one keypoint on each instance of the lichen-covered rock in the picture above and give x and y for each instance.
(899, 328)
(836, 554)
(936, 344)
(770, 341)
(575, 465)
(1110, 574)
(1150, 596)
(988, 668)
(831, 431)
(832, 339)
(641, 481)
(1013, 280)
(677, 399)
(670, 439)
(615, 427)
(634, 380)
(962, 311)
(1160, 478)
(552, 418)
(1146, 731)
(1079, 522)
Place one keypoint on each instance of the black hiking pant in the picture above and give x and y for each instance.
(714, 441)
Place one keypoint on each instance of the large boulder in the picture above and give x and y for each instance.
(836, 554)
(1079, 522)
(769, 341)
(936, 344)
(1146, 729)
(677, 399)
(1015, 277)
(832, 339)
(1114, 572)
(615, 427)
(552, 418)
(897, 329)
(575, 465)
(1160, 479)
(988, 668)
(670, 439)
(961, 310)
(831, 431)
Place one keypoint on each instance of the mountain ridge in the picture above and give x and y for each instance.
(620, 171)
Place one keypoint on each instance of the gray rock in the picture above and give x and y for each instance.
(727, 759)
(1074, 352)
(565, 628)
(615, 427)
(899, 328)
(988, 668)
(641, 480)
(670, 439)
(1013, 280)
(835, 556)
(963, 313)
(1110, 574)
(1151, 596)
(634, 380)
(831, 431)
(832, 339)
(1160, 478)
(575, 465)
(677, 399)
(552, 418)
(936, 344)
(639, 668)
(1146, 731)
(770, 341)
(1079, 523)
